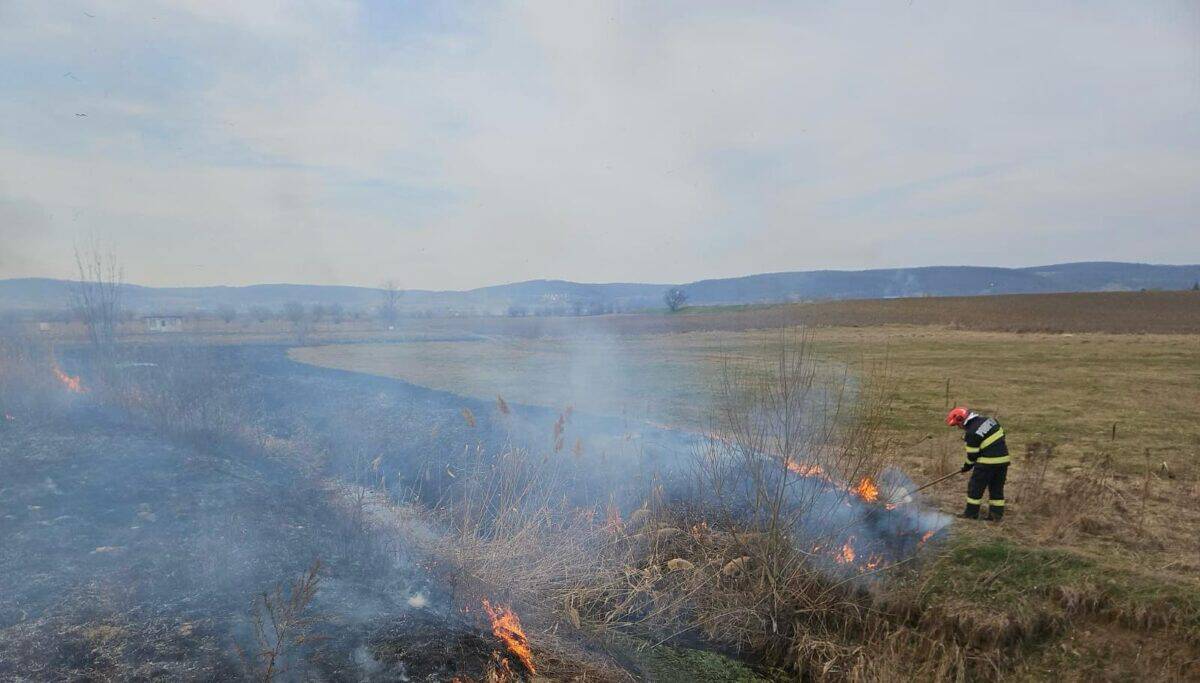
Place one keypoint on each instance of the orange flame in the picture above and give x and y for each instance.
(71, 383)
(507, 627)
(804, 469)
(873, 563)
(867, 490)
(924, 538)
(847, 554)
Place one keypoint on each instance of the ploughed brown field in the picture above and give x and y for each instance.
(1175, 312)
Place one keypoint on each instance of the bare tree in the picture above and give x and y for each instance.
(675, 298)
(296, 314)
(96, 296)
(261, 313)
(337, 313)
(389, 308)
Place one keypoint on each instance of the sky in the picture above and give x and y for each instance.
(453, 145)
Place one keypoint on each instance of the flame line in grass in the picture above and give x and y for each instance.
(72, 384)
(866, 489)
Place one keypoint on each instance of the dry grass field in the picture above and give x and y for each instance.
(1094, 575)
(1050, 388)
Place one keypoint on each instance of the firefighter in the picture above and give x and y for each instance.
(987, 460)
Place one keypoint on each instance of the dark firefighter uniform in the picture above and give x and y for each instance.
(987, 458)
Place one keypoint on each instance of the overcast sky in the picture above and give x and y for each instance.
(456, 145)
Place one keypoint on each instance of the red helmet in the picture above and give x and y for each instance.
(956, 417)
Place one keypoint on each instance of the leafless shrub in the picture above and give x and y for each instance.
(389, 305)
(337, 313)
(96, 296)
(280, 622)
(260, 313)
(674, 298)
(727, 566)
(299, 319)
(791, 419)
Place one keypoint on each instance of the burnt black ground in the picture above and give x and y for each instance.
(418, 432)
(130, 550)
(127, 555)
(133, 549)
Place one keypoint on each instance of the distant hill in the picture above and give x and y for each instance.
(940, 281)
(573, 297)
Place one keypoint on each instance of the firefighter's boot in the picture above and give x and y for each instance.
(972, 511)
(995, 513)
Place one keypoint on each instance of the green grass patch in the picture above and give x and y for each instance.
(669, 664)
(1030, 584)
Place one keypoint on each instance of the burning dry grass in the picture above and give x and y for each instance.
(722, 566)
(503, 542)
(760, 562)
(71, 383)
(31, 381)
(506, 626)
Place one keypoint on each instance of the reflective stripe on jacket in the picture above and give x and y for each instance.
(985, 441)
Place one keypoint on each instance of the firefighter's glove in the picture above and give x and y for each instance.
(967, 466)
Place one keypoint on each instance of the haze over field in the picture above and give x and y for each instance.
(528, 341)
(457, 145)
